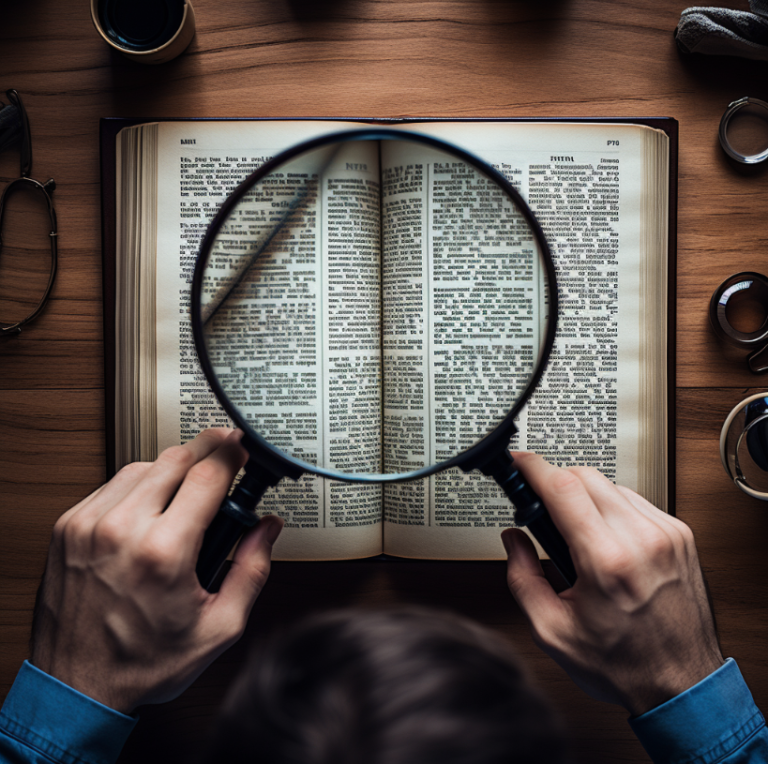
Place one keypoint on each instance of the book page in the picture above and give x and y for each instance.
(586, 185)
(199, 165)
(602, 402)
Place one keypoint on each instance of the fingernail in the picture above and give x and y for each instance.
(513, 541)
(274, 527)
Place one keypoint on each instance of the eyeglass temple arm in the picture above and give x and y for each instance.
(26, 138)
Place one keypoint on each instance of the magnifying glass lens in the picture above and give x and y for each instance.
(744, 130)
(748, 130)
(747, 310)
(751, 457)
(374, 306)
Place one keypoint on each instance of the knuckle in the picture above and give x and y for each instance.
(564, 482)
(206, 472)
(256, 575)
(132, 471)
(158, 554)
(515, 583)
(685, 532)
(615, 561)
(109, 533)
(214, 433)
(58, 529)
(259, 576)
(75, 529)
(659, 546)
(177, 457)
(585, 473)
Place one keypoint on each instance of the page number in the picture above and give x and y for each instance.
(613, 143)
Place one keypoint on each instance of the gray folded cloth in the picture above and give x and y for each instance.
(725, 32)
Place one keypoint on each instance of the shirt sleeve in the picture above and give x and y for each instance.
(44, 720)
(715, 721)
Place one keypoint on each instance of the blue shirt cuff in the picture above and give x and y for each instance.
(48, 716)
(706, 723)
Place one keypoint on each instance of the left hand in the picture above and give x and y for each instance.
(121, 616)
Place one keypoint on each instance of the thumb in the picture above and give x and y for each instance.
(250, 566)
(526, 580)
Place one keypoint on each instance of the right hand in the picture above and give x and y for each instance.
(637, 628)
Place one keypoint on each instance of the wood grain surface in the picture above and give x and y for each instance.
(374, 58)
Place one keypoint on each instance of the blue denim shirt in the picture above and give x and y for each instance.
(714, 722)
(44, 720)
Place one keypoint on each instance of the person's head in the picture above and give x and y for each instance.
(405, 686)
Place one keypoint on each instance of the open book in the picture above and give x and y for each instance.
(602, 194)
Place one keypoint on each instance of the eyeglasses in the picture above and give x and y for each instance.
(14, 125)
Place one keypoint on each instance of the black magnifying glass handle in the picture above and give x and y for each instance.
(236, 514)
(531, 513)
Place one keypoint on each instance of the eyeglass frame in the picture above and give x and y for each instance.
(46, 189)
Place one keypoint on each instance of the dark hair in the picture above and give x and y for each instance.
(405, 686)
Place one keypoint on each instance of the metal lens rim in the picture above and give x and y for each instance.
(732, 109)
(261, 449)
(739, 477)
(725, 457)
(718, 310)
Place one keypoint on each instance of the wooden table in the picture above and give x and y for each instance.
(447, 58)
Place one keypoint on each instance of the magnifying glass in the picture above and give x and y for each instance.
(743, 130)
(738, 312)
(374, 306)
(744, 445)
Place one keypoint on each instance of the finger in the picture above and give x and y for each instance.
(684, 546)
(82, 503)
(611, 501)
(116, 489)
(66, 516)
(674, 528)
(634, 522)
(152, 494)
(204, 488)
(248, 574)
(528, 584)
(104, 497)
(566, 498)
(645, 507)
(128, 475)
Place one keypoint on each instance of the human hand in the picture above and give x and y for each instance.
(636, 628)
(120, 615)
